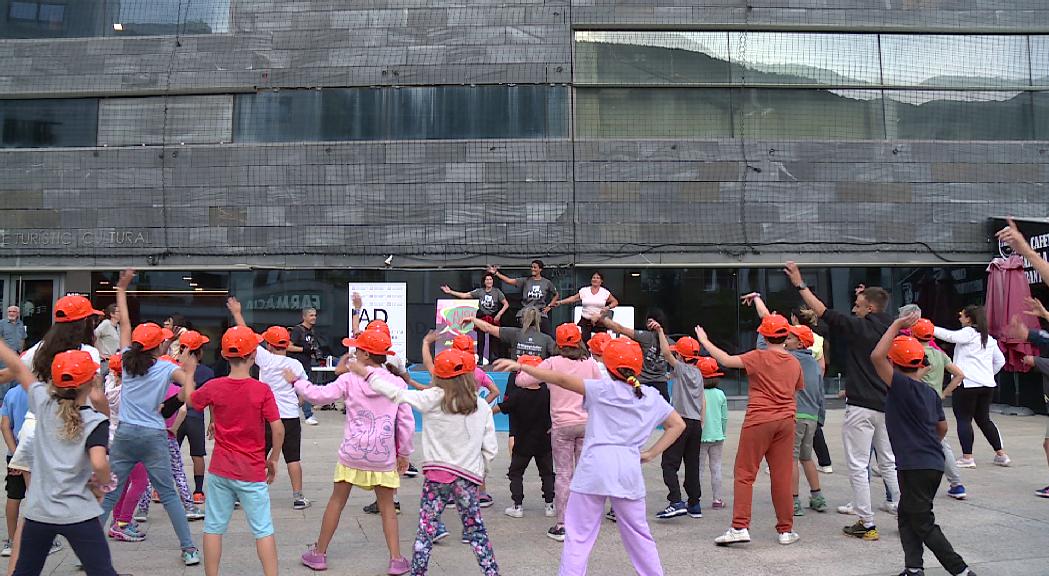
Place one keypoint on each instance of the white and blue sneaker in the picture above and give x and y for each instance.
(673, 510)
(957, 492)
(695, 510)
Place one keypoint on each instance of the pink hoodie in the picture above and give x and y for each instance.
(377, 430)
(566, 407)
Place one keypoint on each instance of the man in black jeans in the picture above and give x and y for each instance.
(916, 425)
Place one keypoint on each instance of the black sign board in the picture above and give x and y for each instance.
(1037, 234)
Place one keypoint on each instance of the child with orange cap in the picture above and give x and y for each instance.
(71, 464)
(916, 425)
(377, 440)
(459, 444)
(241, 407)
(272, 359)
(567, 415)
(768, 427)
(621, 416)
(687, 398)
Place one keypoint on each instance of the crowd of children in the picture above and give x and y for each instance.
(584, 411)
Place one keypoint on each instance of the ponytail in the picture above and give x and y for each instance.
(68, 412)
(627, 375)
(137, 361)
(633, 381)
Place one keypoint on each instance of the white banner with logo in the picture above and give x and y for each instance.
(387, 301)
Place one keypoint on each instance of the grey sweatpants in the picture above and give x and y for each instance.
(710, 455)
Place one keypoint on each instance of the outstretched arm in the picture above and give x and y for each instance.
(501, 276)
(482, 325)
(664, 345)
(724, 358)
(570, 300)
(618, 328)
(1012, 236)
(449, 291)
(125, 313)
(810, 299)
(566, 381)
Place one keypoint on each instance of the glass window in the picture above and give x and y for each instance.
(48, 123)
(958, 115)
(87, 18)
(1041, 115)
(1040, 60)
(418, 113)
(160, 17)
(933, 61)
(654, 112)
(793, 58)
(651, 57)
(818, 114)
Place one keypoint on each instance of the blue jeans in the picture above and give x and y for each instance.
(133, 444)
(307, 410)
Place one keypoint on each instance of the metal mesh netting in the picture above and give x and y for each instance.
(325, 133)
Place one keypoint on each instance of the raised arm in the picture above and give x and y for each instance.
(754, 299)
(236, 311)
(501, 276)
(724, 358)
(18, 371)
(880, 354)
(664, 345)
(482, 325)
(184, 375)
(617, 327)
(428, 341)
(125, 313)
(1012, 236)
(449, 291)
(566, 381)
(810, 299)
(355, 314)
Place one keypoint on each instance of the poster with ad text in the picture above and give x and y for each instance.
(386, 301)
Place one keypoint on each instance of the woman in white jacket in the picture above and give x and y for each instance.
(980, 358)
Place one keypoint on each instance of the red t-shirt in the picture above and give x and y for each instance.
(240, 409)
(774, 378)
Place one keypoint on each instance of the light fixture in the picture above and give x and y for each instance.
(635, 274)
(187, 277)
(118, 26)
(193, 284)
(103, 282)
(198, 289)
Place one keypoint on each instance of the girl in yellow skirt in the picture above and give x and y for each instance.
(375, 447)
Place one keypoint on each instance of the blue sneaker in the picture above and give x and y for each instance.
(673, 510)
(957, 492)
(441, 534)
(695, 510)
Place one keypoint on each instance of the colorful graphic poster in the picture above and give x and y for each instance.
(450, 315)
(387, 301)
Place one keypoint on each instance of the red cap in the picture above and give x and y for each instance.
(687, 347)
(774, 326)
(623, 353)
(709, 367)
(371, 341)
(72, 369)
(907, 352)
(239, 342)
(464, 343)
(73, 308)
(379, 325)
(529, 360)
(923, 329)
(149, 335)
(277, 336)
(193, 340)
(451, 363)
(568, 335)
(116, 363)
(597, 343)
(804, 335)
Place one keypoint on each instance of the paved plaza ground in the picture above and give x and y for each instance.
(1002, 529)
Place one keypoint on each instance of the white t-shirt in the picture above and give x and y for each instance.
(28, 355)
(593, 303)
(271, 373)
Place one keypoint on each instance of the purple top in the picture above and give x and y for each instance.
(618, 426)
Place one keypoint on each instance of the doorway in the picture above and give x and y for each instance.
(35, 296)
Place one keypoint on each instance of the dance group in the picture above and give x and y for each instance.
(583, 408)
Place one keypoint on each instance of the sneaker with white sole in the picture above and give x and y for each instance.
(485, 500)
(889, 507)
(824, 469)
(190, 556)
(194, 513)
(6, 551)
(957, 492)
(550, 510)
(733, 536)
(847, 509)
(788, 538)
(673, 510)
(141, 515)
(515, 511)
(55, 547)
(1002, 460)
(301, 503)
(312, 421)
(556, 533)
(965, 463)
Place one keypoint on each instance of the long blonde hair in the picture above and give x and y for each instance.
(530, 318)
(460, 394)
(69, 411)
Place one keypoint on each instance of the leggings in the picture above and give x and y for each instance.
(137, 485)
(819, 446)
(86, 538)
(434, 498)
(179, 474)
(567, 445)
(710, 454)
(975, 404)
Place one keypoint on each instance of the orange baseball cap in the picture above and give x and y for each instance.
(464, 343)
(623, 353)
(116, 364)
(923, 329)
(371, 341)
(907, 352)
(193, 340)
(568, 335)
(709, 367)
(687, 347)
(804, 335)
(379, 325)
(774, 326)
(597, 343)
(451, 363)
(239, 342)
(149, 335)
(74, 307)
(529, 360)
(277, 336)
(72, 369)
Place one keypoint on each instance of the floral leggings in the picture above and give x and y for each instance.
(434, 498)
(180, 479)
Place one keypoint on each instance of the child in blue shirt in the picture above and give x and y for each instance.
(12, 415)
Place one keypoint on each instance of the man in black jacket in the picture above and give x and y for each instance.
(864, 424)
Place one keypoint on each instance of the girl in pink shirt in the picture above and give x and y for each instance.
(567, 415)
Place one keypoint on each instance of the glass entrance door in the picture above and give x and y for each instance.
(35, 297)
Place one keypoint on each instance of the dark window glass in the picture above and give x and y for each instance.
(818, 114)
(48, 123)
(654, 112)
(791, 58)
(958, 115)
(423, 113)
(87, 18)
(1041, 115)
(651, 57)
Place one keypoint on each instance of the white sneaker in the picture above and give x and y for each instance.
(824, 469)
(6, 552)
(890, 507)
(965, 463)
(1002, 460)
(312, 421)
(787, 538)
(847, 509)
(733, 536)
(550, 511)
(55, 547)
(514, 511)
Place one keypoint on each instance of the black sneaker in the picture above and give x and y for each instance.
(556, 533)
(860, 531)
(373, 508)
(920, 572)
(611, 515)
(412, 471)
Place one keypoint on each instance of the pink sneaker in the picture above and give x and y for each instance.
(717, 505)
(398, 566)
(313, 559)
